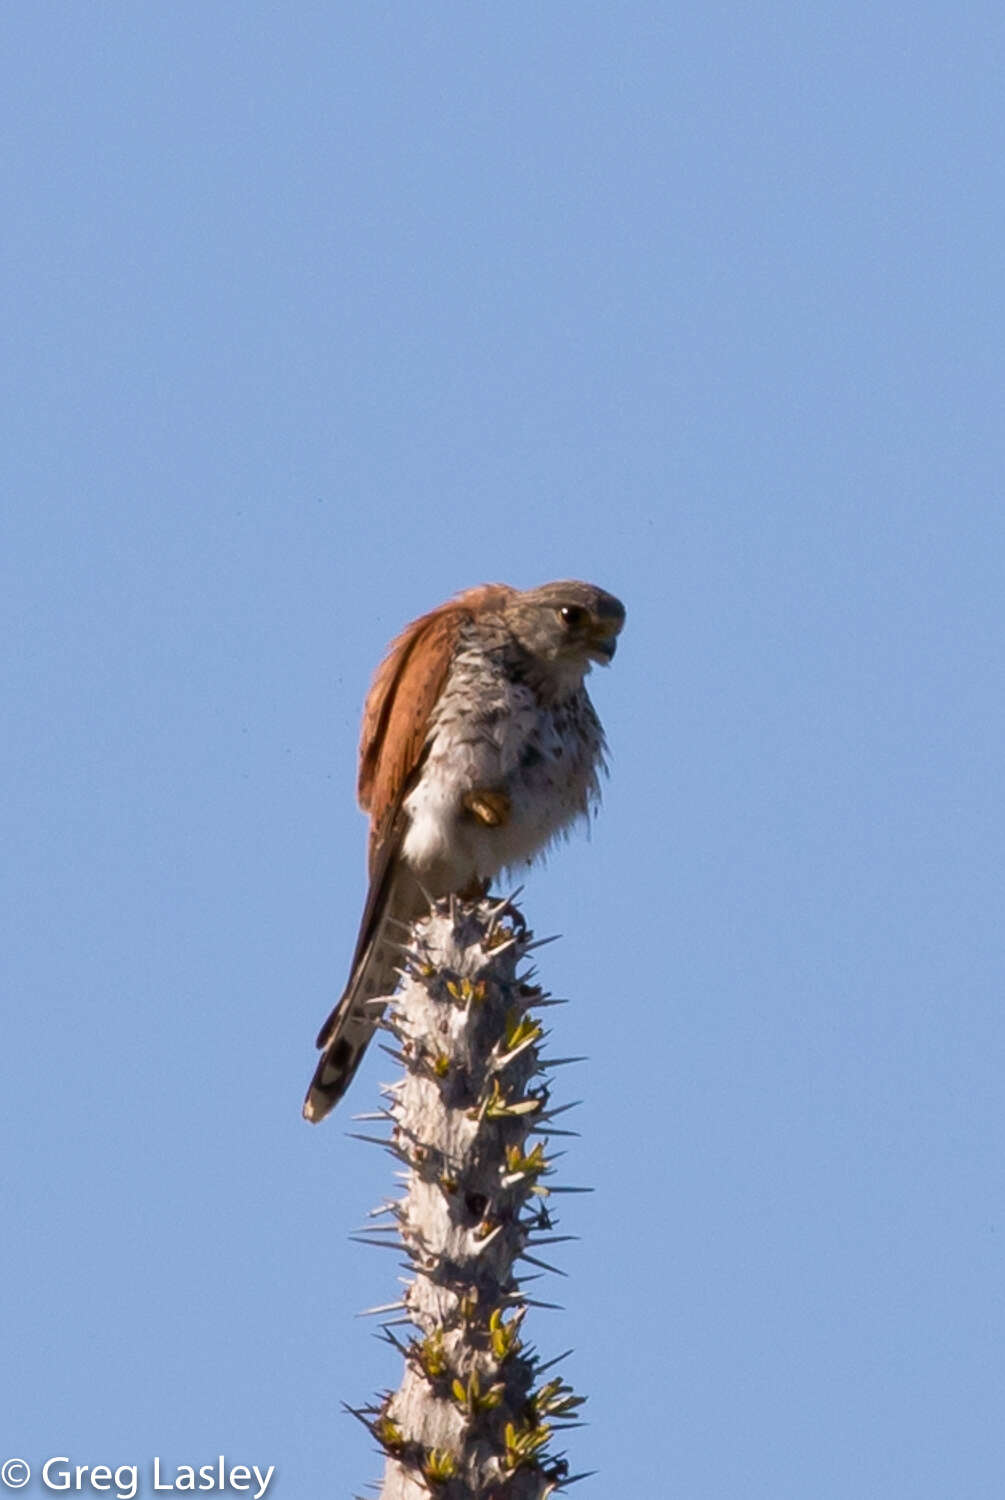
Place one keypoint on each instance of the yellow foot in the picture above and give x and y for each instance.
(490, 808)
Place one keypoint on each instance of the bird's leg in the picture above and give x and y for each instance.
(475, 890)
(490, 808)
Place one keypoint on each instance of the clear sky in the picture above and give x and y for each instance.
(314, 314)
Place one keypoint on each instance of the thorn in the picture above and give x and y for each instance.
(495, 912)
(570, 1189)
(359, 1239)
(391, 1338)
(545, 1000)
(532, 1223)
(504, 947)
(560, 1109)
(384, 1307)
(392, 1052)
(541, 942)
(540, 1369)
(389, 1146)
(358, 1414)
(502, 1060)
(484, 1243)
(374, 1114)
(533, 1260)
(553, 1239)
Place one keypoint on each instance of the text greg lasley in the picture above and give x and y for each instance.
(216, 1478)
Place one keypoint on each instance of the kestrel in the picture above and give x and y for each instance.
(479, 747)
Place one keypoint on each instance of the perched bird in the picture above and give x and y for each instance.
(479, 747)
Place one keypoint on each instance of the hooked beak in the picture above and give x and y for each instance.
(607, 625)
(602, 649)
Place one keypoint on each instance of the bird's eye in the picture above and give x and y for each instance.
(572, 615)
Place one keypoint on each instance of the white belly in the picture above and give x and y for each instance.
(544, 764)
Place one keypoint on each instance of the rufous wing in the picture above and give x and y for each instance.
(401, 703)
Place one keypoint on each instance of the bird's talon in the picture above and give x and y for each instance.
(490, 808)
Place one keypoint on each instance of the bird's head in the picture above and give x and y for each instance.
(567, 625)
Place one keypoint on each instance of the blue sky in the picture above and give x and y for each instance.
(316, 314)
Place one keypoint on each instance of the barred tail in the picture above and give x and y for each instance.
(346, 1034)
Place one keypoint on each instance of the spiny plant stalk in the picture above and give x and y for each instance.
(475, 1414)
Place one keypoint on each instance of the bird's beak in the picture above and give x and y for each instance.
(602, 649)
(604, 632)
